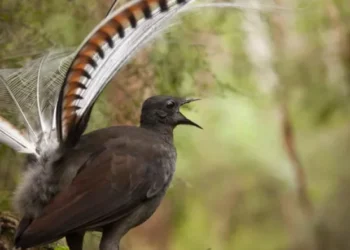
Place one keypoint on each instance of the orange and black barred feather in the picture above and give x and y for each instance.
(75, 98)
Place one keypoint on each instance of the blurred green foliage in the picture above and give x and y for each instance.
(236, 185)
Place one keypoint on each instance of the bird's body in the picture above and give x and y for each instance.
(119, 162)
(109, 180)
(122, 175)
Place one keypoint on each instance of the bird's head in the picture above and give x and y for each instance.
(165, 110)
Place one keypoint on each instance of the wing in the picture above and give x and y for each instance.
(109, 187)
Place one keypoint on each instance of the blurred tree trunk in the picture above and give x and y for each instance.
(296, 205)
(333, 222)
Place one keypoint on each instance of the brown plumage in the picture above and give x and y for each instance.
(121, 182)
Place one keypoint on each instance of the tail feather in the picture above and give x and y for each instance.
(28, 96)
(108, 47)
(54, 95)
(12, 137)
(12, 94)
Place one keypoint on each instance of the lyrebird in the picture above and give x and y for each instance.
(111, 179)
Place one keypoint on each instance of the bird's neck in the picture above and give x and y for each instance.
(162, 130)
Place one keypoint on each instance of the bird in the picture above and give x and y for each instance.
(49, 102)
(121, 184)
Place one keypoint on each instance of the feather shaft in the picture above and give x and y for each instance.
(41, 119)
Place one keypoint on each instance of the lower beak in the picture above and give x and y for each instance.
(183, 119)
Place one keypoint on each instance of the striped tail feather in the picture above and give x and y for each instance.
(105, 50)
(52, 96)
(108, 47)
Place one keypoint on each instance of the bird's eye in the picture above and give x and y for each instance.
(170, 104)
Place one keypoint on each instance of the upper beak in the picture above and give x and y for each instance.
(188, 100)
(182, 119)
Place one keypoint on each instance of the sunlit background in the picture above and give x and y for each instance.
(271, 168)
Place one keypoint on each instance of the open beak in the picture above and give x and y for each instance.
(181, 119)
